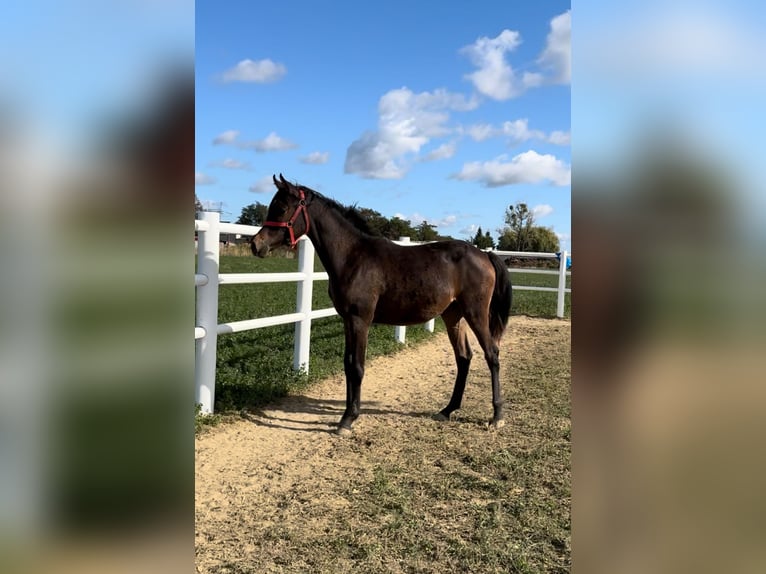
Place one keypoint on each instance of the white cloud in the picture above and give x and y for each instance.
(227, 137)
(315, 158)
(406, 122)
(560, 138)
(446, 221)
(255, 71)
(203, 179)
(557, 55)
(494, 78)
(372, 157)
(416, 219)
(542, 210)
(527, 167)
(444, 151)
(263, 185)
(517, 132)
(469, 229)
(230, 163)
(271, 142)
(532, 80)
(481, 132)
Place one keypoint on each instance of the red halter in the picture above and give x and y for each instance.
(289, 224)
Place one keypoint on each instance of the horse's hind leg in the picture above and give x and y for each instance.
(458, 336)
(478, 319)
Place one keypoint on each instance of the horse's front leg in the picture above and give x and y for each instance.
(353, 362)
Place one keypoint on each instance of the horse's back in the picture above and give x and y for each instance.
(456, 256)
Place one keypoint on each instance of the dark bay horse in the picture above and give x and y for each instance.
(373, 280)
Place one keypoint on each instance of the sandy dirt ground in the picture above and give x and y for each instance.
(284, 462)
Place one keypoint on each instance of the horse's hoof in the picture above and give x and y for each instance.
(441, 417)
(344, 431)
(497, 424)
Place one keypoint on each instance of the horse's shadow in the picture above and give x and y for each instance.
(320, 410)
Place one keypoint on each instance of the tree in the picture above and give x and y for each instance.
(482, 240)
(507, 240)
(521, 234)
(376, 222)
(253, 214)
(398, 227)
(539, 239)
(197, 205)
(488, 241)
(543, 239)
(520, 220)
(426, 232)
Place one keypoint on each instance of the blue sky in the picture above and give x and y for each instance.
(445, 115)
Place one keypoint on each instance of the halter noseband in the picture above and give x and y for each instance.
(289, 224)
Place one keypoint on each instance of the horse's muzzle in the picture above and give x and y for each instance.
(259, 247)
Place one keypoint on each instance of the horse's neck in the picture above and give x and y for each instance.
(334, 237)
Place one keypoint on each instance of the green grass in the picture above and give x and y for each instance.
(538, 303)
(255, 367)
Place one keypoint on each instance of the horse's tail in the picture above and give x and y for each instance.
(500, 305)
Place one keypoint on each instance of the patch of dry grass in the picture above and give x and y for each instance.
(408, 494)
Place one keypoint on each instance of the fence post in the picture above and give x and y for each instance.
(430, 326)
(208, 247)
(562, 285)
(302, 349)
(400, 331)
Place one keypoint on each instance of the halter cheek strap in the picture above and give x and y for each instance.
(289, 224)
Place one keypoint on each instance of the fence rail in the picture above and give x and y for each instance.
(562, 272)
(207, 280)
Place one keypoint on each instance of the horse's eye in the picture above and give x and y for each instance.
(280, 208)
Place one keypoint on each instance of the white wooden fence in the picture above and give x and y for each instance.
(207, 279)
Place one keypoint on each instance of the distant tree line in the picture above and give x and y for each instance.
(392, 228)
(520, 232)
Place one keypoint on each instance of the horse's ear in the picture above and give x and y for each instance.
(281, 183)
(284, 184)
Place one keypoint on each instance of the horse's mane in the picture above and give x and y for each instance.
(348, 212)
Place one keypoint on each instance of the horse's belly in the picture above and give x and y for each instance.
(403, 311)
